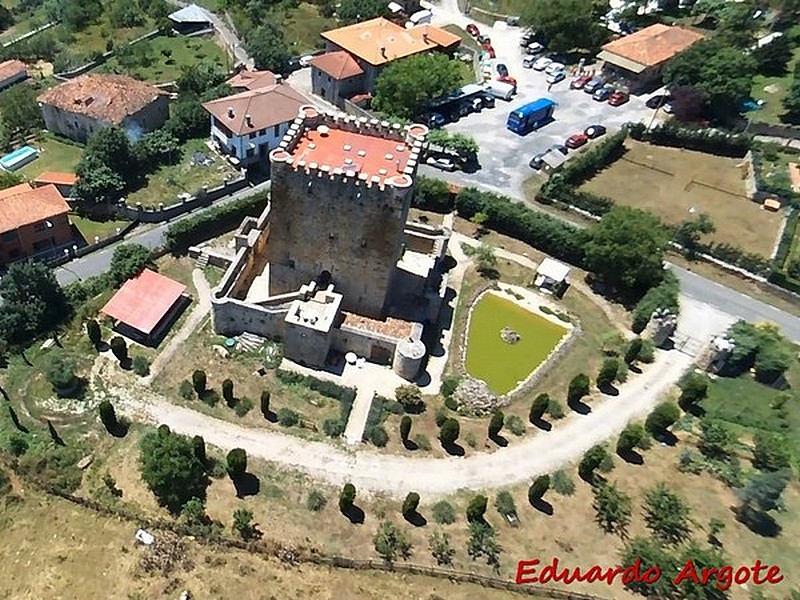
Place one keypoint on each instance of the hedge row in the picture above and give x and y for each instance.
(212, 222)
(708, 140)
(567, 196)
(588, 164)
(785, 244)
(755, 263)
(434, 195)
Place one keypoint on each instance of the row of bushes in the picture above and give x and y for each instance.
(434, 195)
(588, 164)
(755, 263)
(566, 196)
(344, 395)
(708, 140)
(662, 296)
(209, 223)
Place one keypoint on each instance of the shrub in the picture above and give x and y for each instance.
(449, 432)
(316, 501)
(440, 416)
(199, 448)
(563, 484)
(333, 427)
(422, 441)
(443, 513)
(93, 332)
(633, 350)
(199, 381)
(347, 497)
(405, 428)
(378, 436)
(119, 348)
(591, 461)
(237, 462)
(538, 488)
(227, 392)
(410, 396)
(608, 373)
(410, 505)
(108, 415)
(647, 353)
(476, 509)
(496, 423)
(578, 388)
(186, 390)
(243, 406)
(141, 365)
(662, 418)
(515, 425)
(622, 372)
(555, 409)
(265, 404)
(539, 406)
(60, 373)
(433, 194)
(451, 403)
(449, 385)
(287, 417)
(469, 437)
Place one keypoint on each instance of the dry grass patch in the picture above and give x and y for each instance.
(669, 182)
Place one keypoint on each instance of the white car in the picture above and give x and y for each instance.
(534, 48)
(552, 67)
(555, 77)
(542, 63)
(441, 162)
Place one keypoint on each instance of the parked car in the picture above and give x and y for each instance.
(576, 140)
(555, 77)
(618, 98)
(508, 79)
(484, 39)
(593, 85)
(579, 82)
(602, 94)
(558, 147)
(542, 63)
(528, 61)
(502, 70)
(534, 48)
(489, 50)
(434, 120)
(657, 101)
(487, 99)
(473, 30)
(441, 162)
(537, 162)
(554, 66)
(594, 131)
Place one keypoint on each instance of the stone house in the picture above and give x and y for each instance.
(336, 76)
(77, 108)
(11, 72)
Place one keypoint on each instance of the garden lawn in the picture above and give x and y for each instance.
(302, 27)
(90, 229)
(778, 86)
(166, 183)
(500, 364)
(54, 155)
(677, 185)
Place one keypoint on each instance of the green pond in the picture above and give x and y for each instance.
(500, 364)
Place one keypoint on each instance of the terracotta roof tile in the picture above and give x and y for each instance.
(653, 45)
(252, 80)
(266, 107)
(10, 68)
(144, 300)
(28, 206)
(379, 41)
(56, 178)
(107, 98)
(339, 65)
(390, 327)
(15, 189)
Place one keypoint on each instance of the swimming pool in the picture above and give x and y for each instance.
(18, 158)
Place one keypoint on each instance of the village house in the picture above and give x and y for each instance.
(64, 182)
(370, 46)
(33, 222)
(640, 58)
(247, 125)
(247, 81)
(77, 108)
(11, 72)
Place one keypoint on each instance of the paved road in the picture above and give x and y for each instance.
(150, 236)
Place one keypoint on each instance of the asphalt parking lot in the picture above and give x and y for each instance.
(504, 155)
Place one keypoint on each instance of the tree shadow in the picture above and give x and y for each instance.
(54, 435)
(15, 420)
(543, 506)
(5, 394)
(126, 364)
(246, 484)
(634, 368)
(354, 514)
(580, 407)
(759, 522)
(693, 409)
(120, 428)
(102, 346)
(609, 390)
(416, 519)
(542, 424)
(415, 409)
(76, 391)
(499, 439)
(631, 456)
(410, 445)
(454, 449)
(667, 437)
(271, 416)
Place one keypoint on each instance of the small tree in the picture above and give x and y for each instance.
(60, 373)
(265, 404)
(613, 508)
(316, 501)
(347, 497)
(199, 381)
(633, 436)
(662, 418)
(108, 416)
(390, 542)
(227, 392)
(694, 388)
(578, 388)
(476, 509)
(199, 447)
(405, 428)
(608, 373)
(119, 348)
(593, 458)
(410, 396)
(762, 494)
(538, 488)
(538, 408)
(93, 332)
(496, 423)
(237, 463)
(771, 452)
(441, 550)
(633, 351)
(449, 432)
(667, 515)
(243, 523)
(410, 505)
(716, 439)
(504, 503)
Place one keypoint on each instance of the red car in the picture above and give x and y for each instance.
(618, 98)
(507, 79)
(489, 50)
(473, 30)
(579, 82)
(576, 140)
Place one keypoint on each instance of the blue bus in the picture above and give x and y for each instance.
(526, 118)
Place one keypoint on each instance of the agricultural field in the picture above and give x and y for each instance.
(677, 185)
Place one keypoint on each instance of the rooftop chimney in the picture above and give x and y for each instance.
(230, 112)
(248, 120)
(425, 37)
(383, 51)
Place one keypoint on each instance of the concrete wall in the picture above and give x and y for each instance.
(364, 344)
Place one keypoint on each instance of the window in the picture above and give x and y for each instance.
(277, 131)
(40, 226)
(253, 135)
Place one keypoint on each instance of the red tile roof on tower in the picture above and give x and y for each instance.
(23, 205)
(266, 107)
(107, 98)
(339, 65)
(144, 300)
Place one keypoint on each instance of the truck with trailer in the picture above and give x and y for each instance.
(531, 116)
(501, 89)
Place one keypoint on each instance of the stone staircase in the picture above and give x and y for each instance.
(250, 342)
(201, 262)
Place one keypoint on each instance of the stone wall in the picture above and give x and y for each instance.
(233, 317)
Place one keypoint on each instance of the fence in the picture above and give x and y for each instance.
(25, 36)
(70, 254)
(782, 131)
(103, 57)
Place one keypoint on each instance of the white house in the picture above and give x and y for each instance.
(551, 275)
(246, 126)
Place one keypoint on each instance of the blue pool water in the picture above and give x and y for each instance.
(18, 158)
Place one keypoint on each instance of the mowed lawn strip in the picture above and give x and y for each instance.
(670, 182)
(500, 364)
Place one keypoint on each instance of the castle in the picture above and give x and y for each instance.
(331, 264)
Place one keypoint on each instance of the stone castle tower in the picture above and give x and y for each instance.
(341, 192)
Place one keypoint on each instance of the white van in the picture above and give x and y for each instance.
(421, 17)
(501, 89)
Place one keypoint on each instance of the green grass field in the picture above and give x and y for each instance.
(54, 155)
(500, 364)
(302, 26)
(90, 229)
(778, 86)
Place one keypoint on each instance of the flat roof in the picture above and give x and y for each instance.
(552, 269)
(350, 151)
(144, 300)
